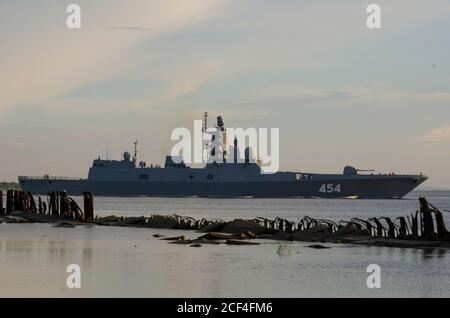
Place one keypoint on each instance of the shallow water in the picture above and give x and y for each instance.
(130, 262)
(292, 209)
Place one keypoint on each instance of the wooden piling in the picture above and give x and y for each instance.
(9, 201)
(403, 229)
(32, 203)
(88, 206)
(53, 206)
(427, 220)
(41, 211)
(16, 201)
(2, 211)
(63, 204)
(25, 204)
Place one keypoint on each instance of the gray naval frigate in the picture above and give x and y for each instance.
(234, 179)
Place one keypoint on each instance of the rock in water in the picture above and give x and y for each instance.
(235, 242)
(218, 236)
(65, 224)
(318, 246)
(203, 242)
(107, 219)
(162, 222)
(215, 227)
(243, 226)
(176, 238)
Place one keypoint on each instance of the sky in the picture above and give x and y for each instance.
(340, 93)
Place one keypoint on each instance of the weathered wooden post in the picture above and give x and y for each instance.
(391, 227)
(427, 220)
(63, 204)
(25, 205)
(8, 201)
(16, 201)
(33, 207)
(25, 202)
(53, 207)
(40, 205)
(403, 230)
(440, 224)
(75, 210)
(415, 225)
(2, 211)
(58, 211)
(88, 206)
(281, 225)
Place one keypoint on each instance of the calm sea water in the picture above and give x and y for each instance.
(131, 263)
(292, 209)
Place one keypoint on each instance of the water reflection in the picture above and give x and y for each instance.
(130, 262)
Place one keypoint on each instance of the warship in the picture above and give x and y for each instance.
(224, 179)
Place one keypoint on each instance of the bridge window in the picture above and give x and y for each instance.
(143, 177)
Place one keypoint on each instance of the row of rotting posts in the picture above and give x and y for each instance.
(427, 224)
(18, 201)
(57, 204)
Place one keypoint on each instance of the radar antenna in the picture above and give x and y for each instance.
(205, 122)
(135, 151)
(204, 129)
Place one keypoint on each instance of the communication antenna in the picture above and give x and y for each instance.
(135, 150)
(205, 122)
(109, 149)
(204, 129)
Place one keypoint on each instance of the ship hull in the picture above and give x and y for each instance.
(366, 187)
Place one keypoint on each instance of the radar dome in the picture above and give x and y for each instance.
(126, 156)
(350, 171)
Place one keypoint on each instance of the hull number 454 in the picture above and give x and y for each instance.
(330, 188)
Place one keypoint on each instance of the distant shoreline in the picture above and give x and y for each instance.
(4, 186)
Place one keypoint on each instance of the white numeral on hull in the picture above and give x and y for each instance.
(330, 188)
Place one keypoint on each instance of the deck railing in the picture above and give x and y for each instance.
(47, 178)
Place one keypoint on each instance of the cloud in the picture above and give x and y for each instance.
(191, 78)
(302, 95)
(437, 135)
(359, 95)
(47, 59)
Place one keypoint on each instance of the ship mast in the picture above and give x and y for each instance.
(205, 122)
(135, 152)
(204, 129)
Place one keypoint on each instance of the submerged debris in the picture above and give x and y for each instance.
(64, 224)
(236, 242)
(318, 246)
(177, 238)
